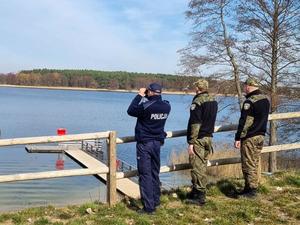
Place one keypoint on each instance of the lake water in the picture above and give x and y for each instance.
(28, 112)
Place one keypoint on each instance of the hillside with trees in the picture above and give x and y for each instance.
(120, 80)
(112, 80)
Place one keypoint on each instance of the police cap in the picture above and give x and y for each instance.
(154, 87)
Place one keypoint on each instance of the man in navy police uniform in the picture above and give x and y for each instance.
(151, 112)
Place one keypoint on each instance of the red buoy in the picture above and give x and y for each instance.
(60, 164)
(61, 131)
(118, 164)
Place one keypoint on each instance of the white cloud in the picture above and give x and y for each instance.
(91, 35)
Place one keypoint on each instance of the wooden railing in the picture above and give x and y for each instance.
(226, 161)
(110, 135)
(113, 140)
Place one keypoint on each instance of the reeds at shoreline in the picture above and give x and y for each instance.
(285, 160)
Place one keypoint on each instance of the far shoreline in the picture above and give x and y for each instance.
(100, 89)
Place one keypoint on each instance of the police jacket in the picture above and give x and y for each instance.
(254, 116)
(152, 113)
(203, 113)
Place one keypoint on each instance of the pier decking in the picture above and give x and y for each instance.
(124, 186)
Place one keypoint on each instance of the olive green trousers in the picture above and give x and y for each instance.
(198, 161)
(250, 156)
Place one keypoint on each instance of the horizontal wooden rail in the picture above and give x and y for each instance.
(284, 147)
(215, 162)
(51, 139)
(284, 116)
(51, 174)
(224, 128)
(163, 169)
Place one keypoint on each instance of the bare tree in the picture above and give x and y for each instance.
(211, 49)
(270, 49)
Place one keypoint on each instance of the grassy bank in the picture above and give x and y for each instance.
(278, 202)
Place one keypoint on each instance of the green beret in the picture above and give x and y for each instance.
(252, 82)
(201, 84)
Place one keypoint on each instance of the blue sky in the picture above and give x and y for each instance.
(127, 35)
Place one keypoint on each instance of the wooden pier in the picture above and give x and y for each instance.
(124, 186)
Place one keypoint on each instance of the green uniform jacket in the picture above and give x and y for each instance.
(254, 116)
(203, 113)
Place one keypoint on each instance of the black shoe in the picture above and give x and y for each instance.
(199, 199)
(244, 191)
(202, 199)
(252, 193)
(195, 202)
(144, 212)
(191, 194)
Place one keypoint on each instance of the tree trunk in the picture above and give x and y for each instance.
(231, 56)
(273, 126)
(274, 95)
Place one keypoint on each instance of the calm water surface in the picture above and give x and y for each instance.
(39, 112)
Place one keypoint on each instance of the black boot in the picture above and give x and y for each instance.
(251, 193)
(202, 198)
(192, 194)
(199, 198)
(244, 191)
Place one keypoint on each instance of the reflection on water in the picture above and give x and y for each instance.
(43, 192)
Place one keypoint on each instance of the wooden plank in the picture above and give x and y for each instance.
(60, 148)
(129, 188)
(222, 128)
(111, 177)
(45, 149)
(51, 139)
(84, 159)
(182, 166)
(284, 116)
(215, 162)
(284, 147)
(51, 174)
(125, 186)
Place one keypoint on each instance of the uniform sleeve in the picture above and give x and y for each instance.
(246, 109)
(194, 124)
(135, 109)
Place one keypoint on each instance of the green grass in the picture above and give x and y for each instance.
(278, 202)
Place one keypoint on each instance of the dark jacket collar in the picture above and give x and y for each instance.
(202, 93)
(154, 97)
(256, 92)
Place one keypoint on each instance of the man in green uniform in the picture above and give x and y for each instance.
(203, 112)
(250, 134)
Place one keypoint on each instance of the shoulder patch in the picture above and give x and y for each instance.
(193, 106)
(246, 106)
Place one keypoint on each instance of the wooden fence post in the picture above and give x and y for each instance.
(111, 176)
(273, 141)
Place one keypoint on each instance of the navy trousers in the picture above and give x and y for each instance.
(148, 163)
